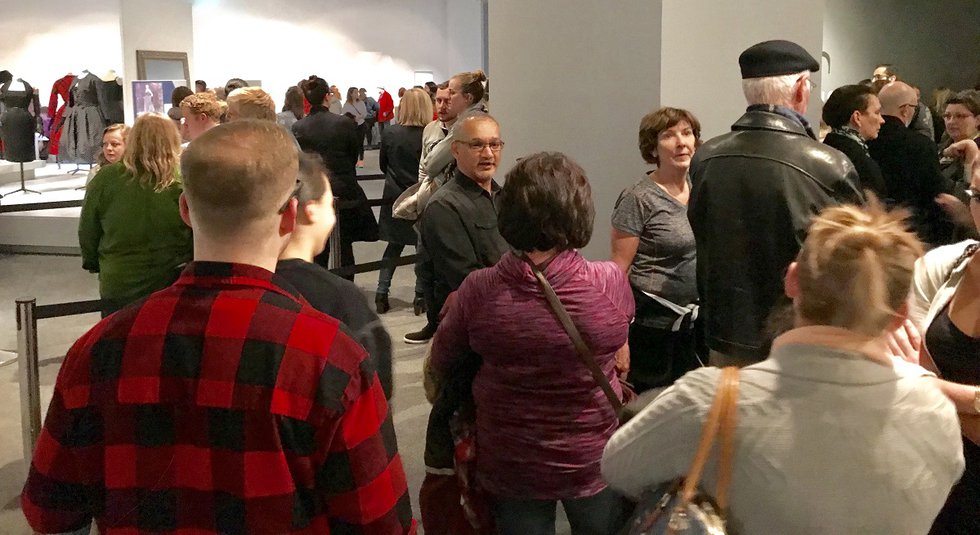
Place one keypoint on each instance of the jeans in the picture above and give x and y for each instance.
(601, 514)
(386, 273)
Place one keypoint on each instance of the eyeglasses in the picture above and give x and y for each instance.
(912, 105)
(810, 84)
(960, 116)
(477, 146)
(295, 194)
(973, 194)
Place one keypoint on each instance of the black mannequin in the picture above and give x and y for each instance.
(18, 125)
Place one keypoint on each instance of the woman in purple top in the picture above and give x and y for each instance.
(541, 420)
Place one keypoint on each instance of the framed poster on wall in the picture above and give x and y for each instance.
(153, 96)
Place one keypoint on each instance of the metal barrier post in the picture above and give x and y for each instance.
(28, 375)
(333, 262)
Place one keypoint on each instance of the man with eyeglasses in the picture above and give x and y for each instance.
(224, 403)
(910, 165)
(458, 231)
(459, 225)
(754, 191)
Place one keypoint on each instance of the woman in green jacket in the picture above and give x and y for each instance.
(131, 232)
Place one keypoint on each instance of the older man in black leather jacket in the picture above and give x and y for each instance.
(754, 192)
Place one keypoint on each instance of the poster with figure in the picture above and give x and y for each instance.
(153, 96)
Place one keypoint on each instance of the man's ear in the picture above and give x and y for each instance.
(185, 211)
(309, 214)
(791, 283)
(454, 148)
(287, 221)
(855, 118)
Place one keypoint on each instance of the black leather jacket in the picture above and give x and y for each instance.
(754, 191)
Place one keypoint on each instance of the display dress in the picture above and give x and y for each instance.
(17, 125)
(81, 138)
(59, 90)
(110, 94)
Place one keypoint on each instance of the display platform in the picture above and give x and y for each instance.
(42, 231)
(10, 172)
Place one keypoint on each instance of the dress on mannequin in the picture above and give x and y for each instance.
(17, 125)
(60, 90)
(84, 123)
(110, 93)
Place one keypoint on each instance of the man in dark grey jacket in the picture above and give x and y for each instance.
(753, 193)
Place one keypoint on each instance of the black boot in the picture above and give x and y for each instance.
(381, 303)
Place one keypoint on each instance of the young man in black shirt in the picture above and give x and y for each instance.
(325, 291)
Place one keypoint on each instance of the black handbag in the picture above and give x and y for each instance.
(681, 506)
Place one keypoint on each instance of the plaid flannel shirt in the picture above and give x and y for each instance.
(222, 404)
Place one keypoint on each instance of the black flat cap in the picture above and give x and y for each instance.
(775, 58)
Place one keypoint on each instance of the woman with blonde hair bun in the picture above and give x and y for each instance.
(130, 230)
(833, 433)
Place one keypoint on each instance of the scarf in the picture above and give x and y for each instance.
(851, 134)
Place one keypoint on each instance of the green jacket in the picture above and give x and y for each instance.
(132, 236)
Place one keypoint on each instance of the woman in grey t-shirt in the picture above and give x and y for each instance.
(652, 241)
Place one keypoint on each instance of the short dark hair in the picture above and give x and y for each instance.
(546, 203)
(179, 94)
(312, 177)
(201, 83)
(843, 102)
(315, 89)
(889, 71)
(968, 99)
(233, 84)
(655, 122)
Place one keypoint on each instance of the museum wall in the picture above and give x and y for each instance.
(154, 25)
(576, 76)
(931, 44)
(702, 40)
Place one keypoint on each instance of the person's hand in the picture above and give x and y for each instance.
(955, 209)
(970, 426)
(623, 360)
(905, 342)
(966, 150)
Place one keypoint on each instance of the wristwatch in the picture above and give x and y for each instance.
(976, 400)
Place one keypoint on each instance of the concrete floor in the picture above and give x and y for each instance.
(59, 279)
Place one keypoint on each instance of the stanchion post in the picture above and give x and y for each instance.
(333, 262)
(28, 375)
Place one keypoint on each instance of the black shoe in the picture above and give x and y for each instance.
(419, 304)
(420, 337)
(381, 303)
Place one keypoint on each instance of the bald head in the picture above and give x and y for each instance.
(898, 100)
(237, 175)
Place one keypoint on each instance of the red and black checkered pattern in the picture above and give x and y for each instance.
(223, 404)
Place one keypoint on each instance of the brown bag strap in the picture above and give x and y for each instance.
(721, 419)
(582, 349)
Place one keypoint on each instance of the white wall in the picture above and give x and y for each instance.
(43, 41)
(153, 25)
(702, 40)
(364, 44)
(931, 44)
(576, 76)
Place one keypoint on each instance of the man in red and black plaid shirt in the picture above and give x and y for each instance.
(225, 403)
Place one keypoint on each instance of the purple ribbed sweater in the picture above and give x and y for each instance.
(542, 421)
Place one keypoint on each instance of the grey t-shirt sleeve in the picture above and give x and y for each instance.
(629, 214)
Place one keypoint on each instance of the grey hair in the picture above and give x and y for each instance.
(776, 90)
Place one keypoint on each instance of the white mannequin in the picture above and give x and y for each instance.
(110, 76)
